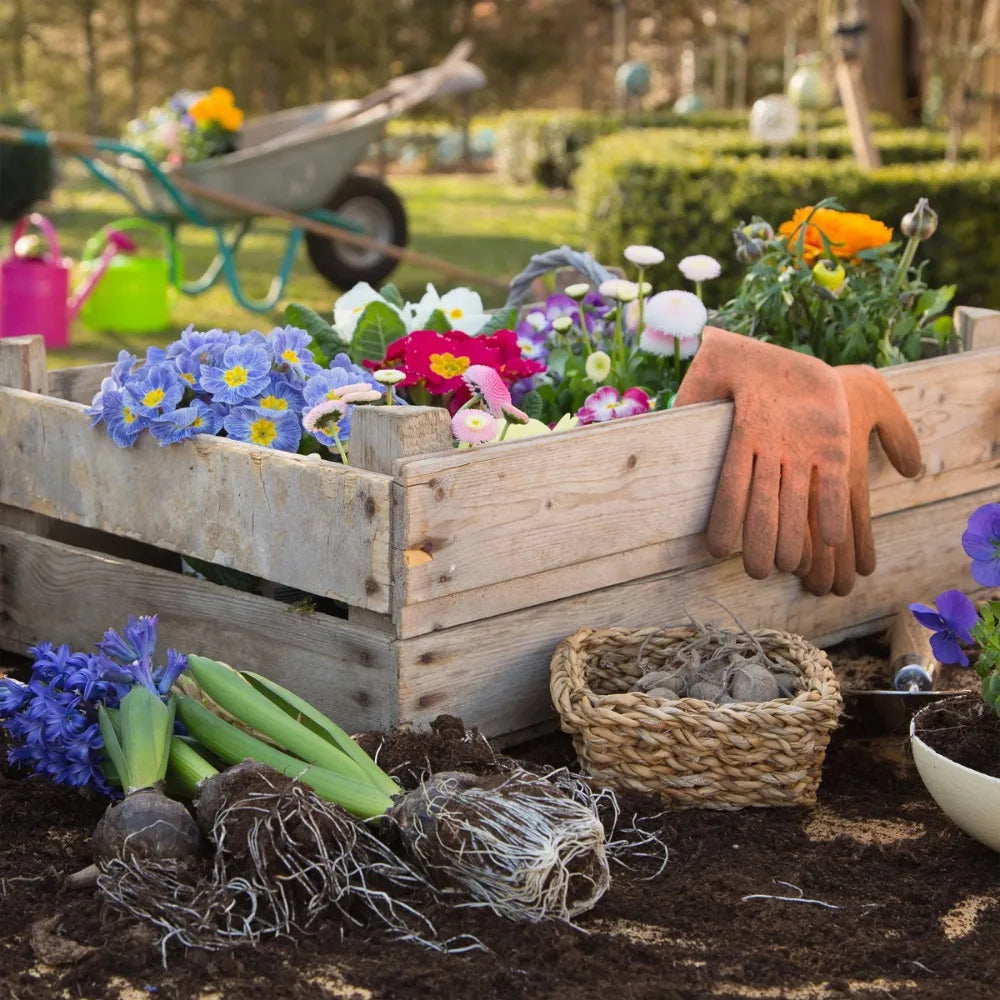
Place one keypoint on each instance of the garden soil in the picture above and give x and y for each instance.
(872, 893)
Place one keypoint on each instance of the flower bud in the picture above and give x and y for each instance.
(829, 274)
(748, 251)
(921, 223)
(758, 229)
(562, 324)
(577, 291)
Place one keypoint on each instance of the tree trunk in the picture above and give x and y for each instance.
(135, 55)
(87, 10)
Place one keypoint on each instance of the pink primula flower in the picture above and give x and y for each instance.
(486, 382)
(605, 404)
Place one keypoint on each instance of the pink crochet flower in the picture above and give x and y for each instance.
(486, 382)
(474, 426)
(605, 404)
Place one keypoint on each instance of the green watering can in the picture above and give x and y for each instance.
(135, 293)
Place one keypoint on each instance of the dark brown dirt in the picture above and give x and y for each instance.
(911, 904)
(963, 730)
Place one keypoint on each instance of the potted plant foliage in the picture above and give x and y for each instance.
(956, 742)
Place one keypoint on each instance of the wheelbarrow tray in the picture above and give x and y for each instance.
(296, 159)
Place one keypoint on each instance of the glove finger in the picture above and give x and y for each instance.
(730, 504)
(863, 554)
(760, 528)
(831, 505)
(793, 517)
(817, 573)
(807, 554)
(897, 435)
(844, 575)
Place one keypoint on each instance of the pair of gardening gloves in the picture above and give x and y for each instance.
(795, 475)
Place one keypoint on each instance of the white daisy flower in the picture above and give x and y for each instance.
(673, 316)
(643, 256)
(700, 267)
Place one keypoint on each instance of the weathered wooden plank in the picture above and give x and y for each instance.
(382, 434)
(318, 526)
(510, 512)
(80, 384)
(61, 593)
(494, 673)
(22, 363)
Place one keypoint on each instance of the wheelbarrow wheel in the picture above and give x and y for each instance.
(375, 207)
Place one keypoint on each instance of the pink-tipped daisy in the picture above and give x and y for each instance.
(513, 415)
(365, 394)
(325, 420)
(487, 383)
(671, 317)
(474, 426)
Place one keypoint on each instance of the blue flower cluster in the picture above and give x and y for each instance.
(253, 387)
(52, 720)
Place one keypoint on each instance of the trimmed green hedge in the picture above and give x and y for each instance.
(545, 146)
(653, 187)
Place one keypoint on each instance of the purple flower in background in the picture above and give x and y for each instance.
(951, 623)
(561, 305)
(531, 342)
(981, 542)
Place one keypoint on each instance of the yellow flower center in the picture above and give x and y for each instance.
(263, 431)
(153, 398)
(235, 376)
(127, 415)
(197, 422)
(273, 403)
(447, 365)
(290, 356)
(455, 313)
(188, 377)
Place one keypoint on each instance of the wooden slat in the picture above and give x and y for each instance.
(314, 525)
(80, 384)
(22, 363)
(496, 523)
(61, 593)
(494, 673)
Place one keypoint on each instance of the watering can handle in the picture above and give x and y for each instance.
(94, 247)
(39, 221)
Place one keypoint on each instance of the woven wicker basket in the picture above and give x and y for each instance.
(693, 753)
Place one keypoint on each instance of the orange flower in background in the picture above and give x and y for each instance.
(218, 107)
(847, 232)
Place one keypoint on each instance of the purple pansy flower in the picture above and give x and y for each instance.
(605, 404)
(981, 542)
(951, 622)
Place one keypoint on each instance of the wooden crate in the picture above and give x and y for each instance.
(459, 570)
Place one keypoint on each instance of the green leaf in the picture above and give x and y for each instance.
(390, 293)
(378, 326)
(438, 322)
(503, 319)
(557, 361)
(146, 727)
(112, 744)
(326, 342)
(533, 404)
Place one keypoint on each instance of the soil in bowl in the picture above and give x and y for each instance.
(964, 730)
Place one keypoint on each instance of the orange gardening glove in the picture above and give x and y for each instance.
(790, 428)
(872, 407)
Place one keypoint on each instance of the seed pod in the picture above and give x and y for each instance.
(921, 223)
(829, 274)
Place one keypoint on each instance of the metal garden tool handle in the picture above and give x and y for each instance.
(911, 660)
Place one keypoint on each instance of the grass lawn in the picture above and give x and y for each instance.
(468, 219)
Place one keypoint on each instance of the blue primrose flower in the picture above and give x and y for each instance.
(341, 362)
(981, 542)
(157, 390)
(205, 347)
(952, 623)
(124, 423)
(281, 394)
(187, 422)
(291, 352)
(243, 373)
(276, 429)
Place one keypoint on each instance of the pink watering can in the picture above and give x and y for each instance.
(34, 290)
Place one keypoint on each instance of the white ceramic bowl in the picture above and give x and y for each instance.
(968, 798)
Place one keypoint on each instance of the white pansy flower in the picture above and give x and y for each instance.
(643, 256)
(349, 307)
(462, 308)
(700, 267)
(536, 320)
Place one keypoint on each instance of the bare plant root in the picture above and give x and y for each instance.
(283, 857)
(514, 843)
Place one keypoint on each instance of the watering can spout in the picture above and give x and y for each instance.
(115, 242)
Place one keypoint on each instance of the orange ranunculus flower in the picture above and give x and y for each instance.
(217, 106)
(231, 119)
(848, 232)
